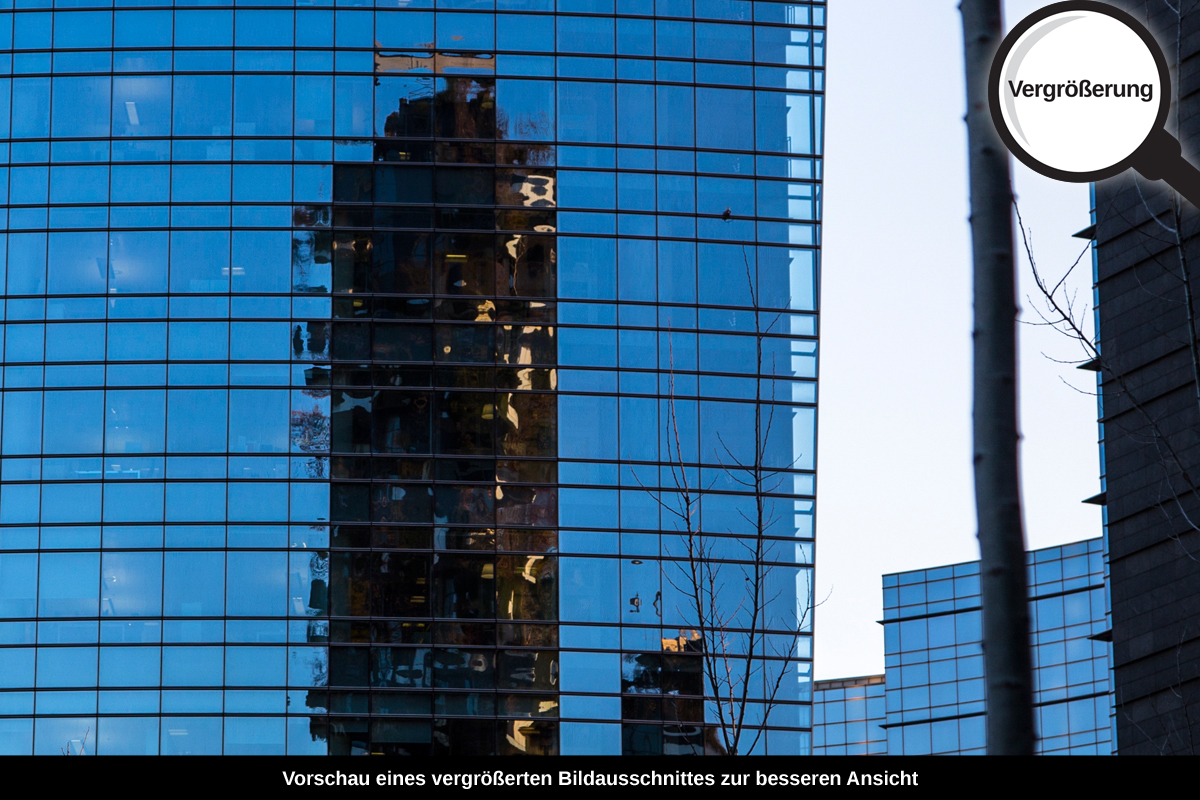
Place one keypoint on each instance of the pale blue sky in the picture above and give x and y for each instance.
(895, 489)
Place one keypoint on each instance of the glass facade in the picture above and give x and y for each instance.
(353, 358)
(848, 717)
(934, 662)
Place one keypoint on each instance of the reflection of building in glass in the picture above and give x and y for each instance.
(933, 699)
(340, 353)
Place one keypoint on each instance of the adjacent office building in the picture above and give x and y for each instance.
(1144, 301)
(931, 699)
(366, 369)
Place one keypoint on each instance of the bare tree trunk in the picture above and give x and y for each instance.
(1006, 654)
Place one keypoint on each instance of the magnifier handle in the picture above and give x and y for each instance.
(1159, 158)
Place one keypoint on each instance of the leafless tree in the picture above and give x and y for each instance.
(1166, 230)
(732, 600)
(72, 750)
(1178, 487)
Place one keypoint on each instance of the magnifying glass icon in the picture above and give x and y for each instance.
(1080, 92)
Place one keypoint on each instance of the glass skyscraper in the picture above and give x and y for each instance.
(932, 699)
(368, 373)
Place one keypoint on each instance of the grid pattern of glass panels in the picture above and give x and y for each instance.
(848, 717)
(339, 346)
(934, 657)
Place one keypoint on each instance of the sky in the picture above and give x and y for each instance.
(895, 488)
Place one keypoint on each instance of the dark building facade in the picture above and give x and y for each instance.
(1145, 257)
(355, 358)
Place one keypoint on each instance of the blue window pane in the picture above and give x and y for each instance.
(140, 184)
(200, 183)
(81, 106)
(257, 585)
(258, 736)
(200, 261)
(55, 735)
(314, 106)
(199, 341)
(69, 585)
(673, 39)
(18, 584)
(31, 107)
(19, 503)
(203, 105)
(590, 738)
(191, 736)
(526, 32)
(75, 342)
(73, 422)
(263, 28)
(142, 29)
(720, 118)
(141, 106)
(303, 738)
(588, 347)
(78, 263)
(308, 666)
(593, 441)
(131, 585)
(587, 189)
(258, 421)
(677, 272)
(587, 268)
(405, 30)
(787, 278)
(724, 42)
(585, 35)
(635, 191)
(261, 261)
(594, 508)
(465, 31)
(675, 116)
(353, 106)
(635, 113)
(525, 110)
(195, 502)
(590, 590)
(260, 502)
(66, 667)
(127, 736)
(262, 105)
(32, 31)
(353, 28)
(635, 37)
(79, 185)
(194, 584)
(17, 667)
(29, 184)
(252, 341)
(585, 112)
(26, 263)
(129, 666)
(22, 421)
(590, 672)
(16, 736)
(137, 341)
(261, 183)
(196, 420)
(639, 427)
(255, 666)
(203, 28)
